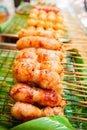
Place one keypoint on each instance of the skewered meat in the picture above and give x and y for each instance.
(41, 54)
(24, 111)
(29, 64)
(51, 65)
(55, 111)
(43, 68)
(40, 59)
(47, 79)
(42, 33)
(45, 55)
(39, 42)
(28, 93)
(40, 66)
(63, 103)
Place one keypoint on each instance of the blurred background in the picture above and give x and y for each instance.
(9, 9)
(79, 7)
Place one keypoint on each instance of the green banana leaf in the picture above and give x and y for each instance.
(46, 123)
(3, 128)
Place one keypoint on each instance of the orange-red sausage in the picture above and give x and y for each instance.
(41, 55)
(28, 93)
(41, 33)
(38, 42)
(24, 111)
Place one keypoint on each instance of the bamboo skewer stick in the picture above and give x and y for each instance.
(79, 68)
(78, 118)
(75, 76)
(74, 85)
(79, 41)
(73, 100)
(75, 52)
(77, 57)
(76, 90)
(75, 64)
(75, 104)
(75, 44)
(77, 73)
(78, 82)
(78, 95)
(82, 82)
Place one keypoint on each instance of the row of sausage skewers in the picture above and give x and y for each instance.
(39, 72)
(47, 18)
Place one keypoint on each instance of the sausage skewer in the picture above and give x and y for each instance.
(31, 94)
(24, 111)
(38, 42)
(41, 33)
